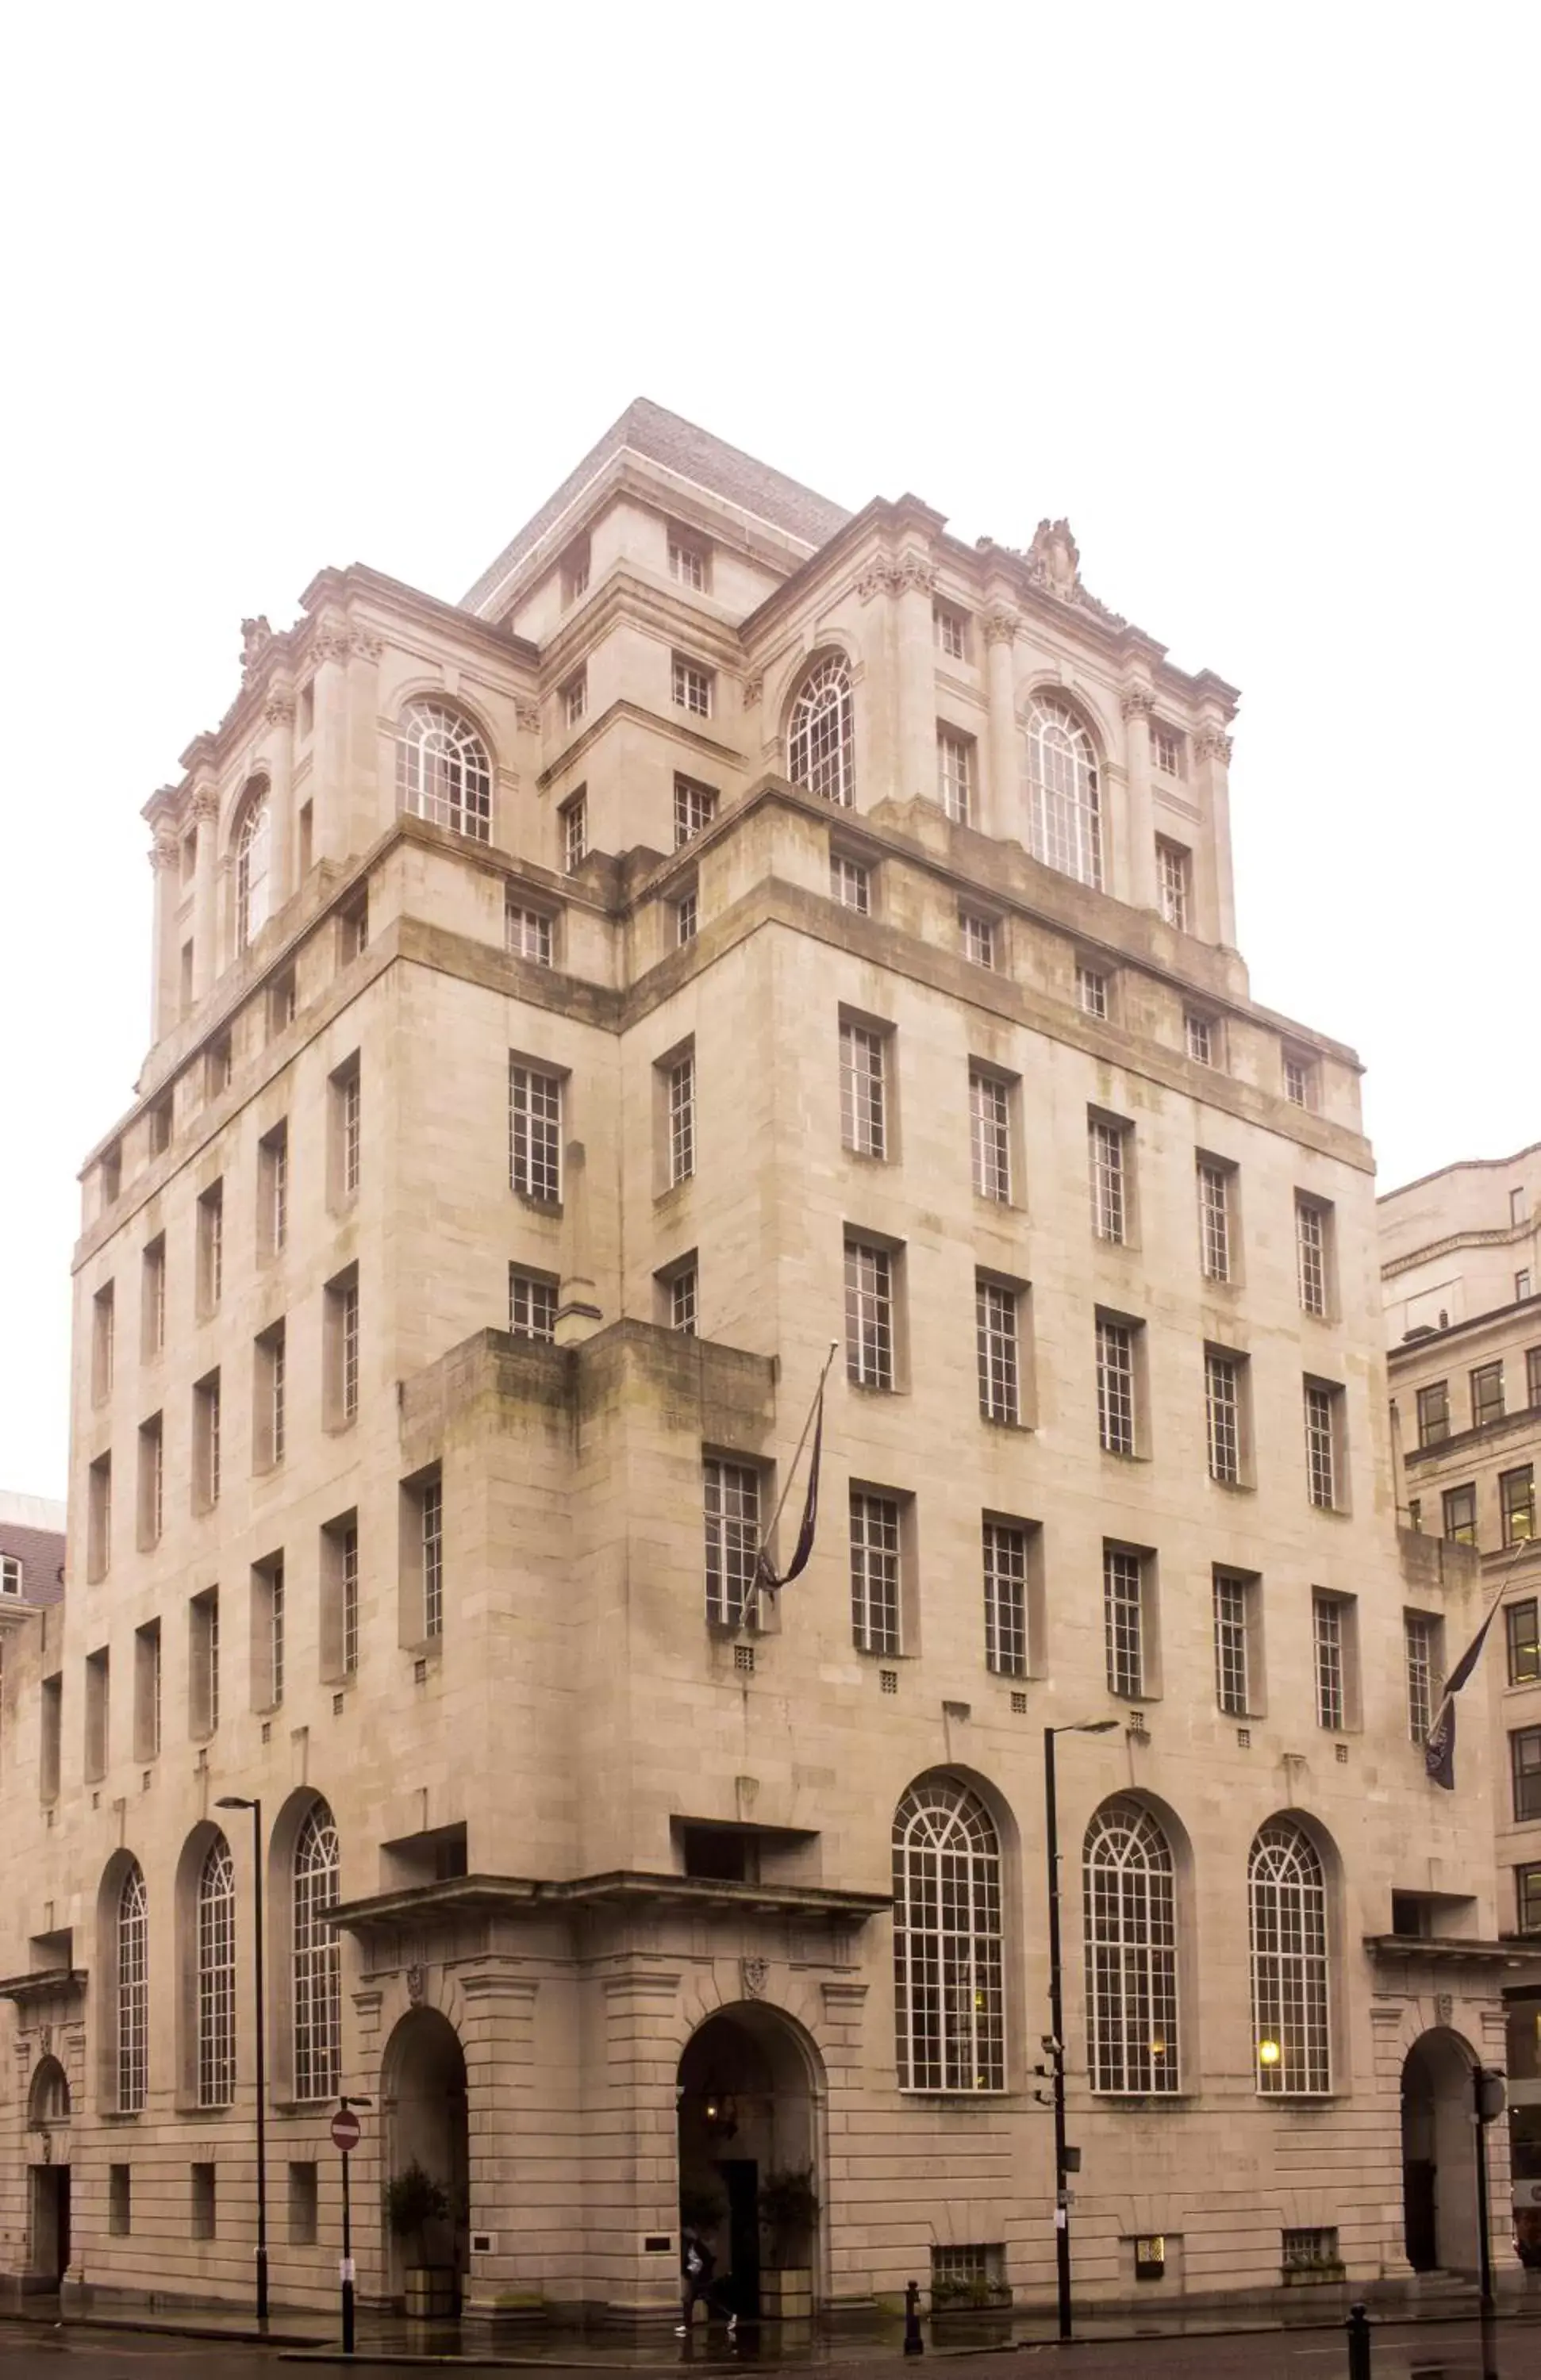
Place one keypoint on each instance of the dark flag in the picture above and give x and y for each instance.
(1439, 1748)
(766, 1580)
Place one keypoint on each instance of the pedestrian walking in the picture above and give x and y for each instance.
(697, 2264)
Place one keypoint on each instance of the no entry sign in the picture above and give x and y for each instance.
(346, 2131)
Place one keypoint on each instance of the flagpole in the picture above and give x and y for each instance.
(807, 1424)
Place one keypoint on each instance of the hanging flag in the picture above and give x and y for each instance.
(1439, 1748)
(766, 1580)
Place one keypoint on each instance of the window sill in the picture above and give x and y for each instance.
(1116, 1456)
(1130, 2102)
(938, 2096)
(1234, 1487)
(550, 1207)
(999, 1421)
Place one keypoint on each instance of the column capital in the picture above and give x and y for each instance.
(364, 645)
(278, 708)
(1000, 627)
(1213, 745)
(1139, 702)
(205, 805)
(166, 850)
(330, 641)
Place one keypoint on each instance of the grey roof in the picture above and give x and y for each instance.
(696, 454)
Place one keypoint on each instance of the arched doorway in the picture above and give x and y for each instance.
(751, 2090)
(48, 2112)
(427, 2125)
(1438, 2154)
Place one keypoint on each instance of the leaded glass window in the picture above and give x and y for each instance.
(1286, 1910)
(216, 1977)
(820, 740)
(1064, 814)
(947, 1941)
(317, 1983)
(444, 770)
(1131, 1929)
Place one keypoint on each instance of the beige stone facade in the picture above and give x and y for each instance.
(739, 927)
(1461, 1268)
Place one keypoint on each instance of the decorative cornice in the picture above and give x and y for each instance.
(1001, 627)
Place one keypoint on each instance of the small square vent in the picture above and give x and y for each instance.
(1019, 1702)
(888, 1680)
(1243, 1738)
(743, 1659)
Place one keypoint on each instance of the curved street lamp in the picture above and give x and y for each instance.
(1055, 2042)
(240, 1801)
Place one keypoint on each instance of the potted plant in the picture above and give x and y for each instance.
(413, 2201)
(979, 2295)
(789, 2210)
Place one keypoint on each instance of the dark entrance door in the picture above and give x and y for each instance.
(1417, 2184)
(50, 2224)
(741, 2180)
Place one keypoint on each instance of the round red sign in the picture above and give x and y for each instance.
(347, 2130)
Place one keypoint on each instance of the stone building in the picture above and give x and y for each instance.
(739, 925)
(1460, 1272)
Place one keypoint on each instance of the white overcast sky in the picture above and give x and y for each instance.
(1248, 293)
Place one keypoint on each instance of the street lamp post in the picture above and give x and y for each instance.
(240, 1801)
(1055, 2045)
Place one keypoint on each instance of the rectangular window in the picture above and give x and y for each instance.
(203, 2201)
(50, 1738)
(1517, 1504)
(352, 928)
(1434, 1413)
(1308, 2251)
(153, 1297)
(682, 1119)
(1222, 1406)
(98, 1689)
(1006, 1572)
(1108, 1200)
(1233, 1615)
(1460, 1506)
(1524, 1643)
(875, 1577)
(152, 1514)
(683, 1299)
(210, 1247)
(1533, 1376)
(1521, 1287)
(342, 1319)
(268, 1385)
(950, 630)
(989, 1118)
(267, 1634)
(273, 1191)
(347, 1569)
(147, 1691)
(1421, 1638)
(687, 561)
(339, 1596)
(955, 775)
(574, 698)
(1214, 1219)
(1091, 991)
(203, 1663)
(1517, 1209)
(350, 1100)
(11, 1577)
(1487, 1395)
(1172, 877)
(1200, 1037)
(1311, 1255)
(869, 1316)
(1527, 1894)
(850, 884)
(687, 918)
(103, 1334)
(1326, 1626)
(534, 1133)
(206, 1442)
(862, 1103)
(1122, 1620)
(431, 1507)
(531, 1305)
(978, 938)
(694, 808)
(526, 933)
(1115, 1386)
(1299, 1081)
(1524, 1759)
(98, 1516)
(575, 573)
(730, 1504)
(119, 2202)
(574, 815)
(995, 1318)
(283, 1003)
(160, 1118)
(692, 687)
(1321, 1452)
(1166, 749)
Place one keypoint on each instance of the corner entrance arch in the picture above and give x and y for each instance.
(1438, 2154)
(428, 2124)
(751, 2095)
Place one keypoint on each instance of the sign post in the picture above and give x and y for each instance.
(346, 2134)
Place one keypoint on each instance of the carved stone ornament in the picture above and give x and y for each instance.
(753, 689)
(1000, 627)
(1054, 563)
(875, 579)
(528, 716)
(205, 805)
(45, 2041)
(417, 1983)
(366, 644)
(164, 851)
(911, 570)
(1444, 2006)
(331, 641)
(1214, 746)
(279, 708)
(1139, 702)
(756, 1973)
(256, 636)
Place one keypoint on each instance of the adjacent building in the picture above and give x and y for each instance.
(1461, 1271)
(740, 928)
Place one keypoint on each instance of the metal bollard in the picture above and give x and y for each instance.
(1358, 2329)
(914, 2343)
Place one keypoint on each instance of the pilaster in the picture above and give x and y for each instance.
(1005, 769)
(912, 578)
(1139, 705)
(205, 810)
(278, 711)
(1218, 896)
(163, 859)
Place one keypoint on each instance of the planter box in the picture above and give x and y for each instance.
(786, 2296)
(433, 2292)
(1306, 2276)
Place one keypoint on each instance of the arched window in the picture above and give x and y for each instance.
(820, 741)
(947, 1965)
(443, 771)
(1064, 815)
(317, 1960)
(1131, 1951)
(216, 1977)
(133, 1992)
(1287, 1894)
(253, 851)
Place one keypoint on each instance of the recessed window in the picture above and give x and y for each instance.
(531, 1305)
(1311, 1255)
(430, 1518)
(104, 1337)
(694, 808)
(534, 1132)
(444, 770)
(527, 933)
(692, 687)
(574, 698)
(1524, 1758)
(11, 1574)
(1487, 1395)
(1522, 1286)
(147, 1691)
(947, 1905)
(1065, 817)
(273, 1191)
(731, 1508)
(340, 1350)
(978, 938)
(1460, 1515)
(863, 1102)
(1005, 1582)
(1518, 1209)
(160, 1121)
(1091, 991)
(995, 1335)
(1200, 1037)
(1527, 1894)
(1108, 1151)
(1123, 1620)
(1173, 882)
(850, 883)
(1421, 1645)
(687, 919)
(1533, 1376)
(1517, 1504)
(1321, 1405)
(1233, 1598)
(98, 1516)
(876, 1612)
(152, 1483)
(1287, 1931)
(353, 928)
(949, 631)
(682, 1119)
(203, 1663)
(210, 1247)
(207, 1442)
(1222, 1414)
(1214, 1219)
(575, 573)
(681, 1287)
(1115, 1386)
(688, 560)
(269, 1398)
(956, 774)
(345, 1122)
(1299, 1085)
(1130, 1938)
(574, 815)
(282, 1003)
(1524, 1642)
(153, 1297)
(1434, 1413)
(254, 887)
(869, 1316)
(1327, 1635)
(219, 1067)
(989, 1119)
(1166, 749)
(821, 739)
